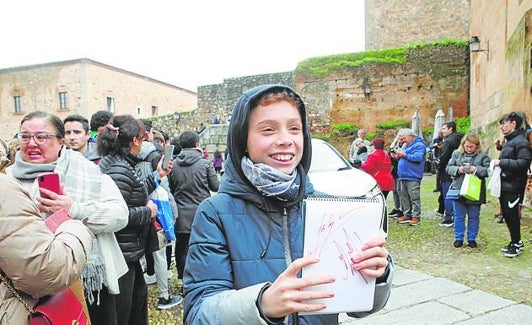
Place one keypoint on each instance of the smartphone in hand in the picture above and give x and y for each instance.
(168, 152)
(50, 181)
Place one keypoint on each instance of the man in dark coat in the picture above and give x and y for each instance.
(451, 142)
(191, 181)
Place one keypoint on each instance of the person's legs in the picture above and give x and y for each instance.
(103, 310)
(414, 190)
(396, 197)
(473, 222)
(161, 272)
(405, 199)
(181, 249)
(139, 299)
(448, 204)
(459, 220)
(509, 204)
(169, 256)
(441, 203)
(123, 299)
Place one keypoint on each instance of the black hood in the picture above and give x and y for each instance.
(238, 128)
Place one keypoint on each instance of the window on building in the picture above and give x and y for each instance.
(154, 111)
(138, 110)
(63, 100)
(18, 104)
(111, 104)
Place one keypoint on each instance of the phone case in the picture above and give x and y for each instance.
(168, 155)
(50, 181)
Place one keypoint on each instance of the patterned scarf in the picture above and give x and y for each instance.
(271, 182)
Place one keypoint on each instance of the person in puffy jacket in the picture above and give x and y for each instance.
(514, 162)
(119, 143)
(246, 244)
(379, 165)
(86, 194)
(36, 261)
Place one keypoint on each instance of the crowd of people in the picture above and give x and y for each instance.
(457, 157)
(237, 241)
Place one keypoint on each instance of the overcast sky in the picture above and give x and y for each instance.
(187, 43)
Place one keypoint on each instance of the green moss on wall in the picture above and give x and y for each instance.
(325, 65)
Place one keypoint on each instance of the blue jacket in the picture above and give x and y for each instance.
(412, 166)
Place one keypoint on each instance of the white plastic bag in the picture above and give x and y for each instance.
(494, 184)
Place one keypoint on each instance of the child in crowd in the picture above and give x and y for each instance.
(246, 244)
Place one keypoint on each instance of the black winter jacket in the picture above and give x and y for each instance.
(132, 238)
(450, 143)
(515, 160)
(191, 181)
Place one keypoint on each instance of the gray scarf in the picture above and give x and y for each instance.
(272, 182)
(26, 170)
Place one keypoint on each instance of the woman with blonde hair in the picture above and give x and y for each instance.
(468, 159)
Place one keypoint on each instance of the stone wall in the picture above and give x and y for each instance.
(432, 78)
(219, 99)
(394, 23)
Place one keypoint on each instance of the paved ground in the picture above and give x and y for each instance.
(418, 298)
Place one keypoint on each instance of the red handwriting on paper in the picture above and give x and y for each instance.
(329, 226)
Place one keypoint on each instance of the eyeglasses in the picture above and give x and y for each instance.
(39, 137)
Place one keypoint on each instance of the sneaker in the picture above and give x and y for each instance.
(172, 301)
(447, 223)
(519, 246)
(438, 213)
(415, 221)
(500, 218)
(150, 279)
(403, 220)
(395, 213)
(472, 244)
(513, 250)
(458, 243)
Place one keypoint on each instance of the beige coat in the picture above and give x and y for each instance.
(37, 262)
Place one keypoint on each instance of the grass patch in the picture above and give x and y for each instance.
(429, 248)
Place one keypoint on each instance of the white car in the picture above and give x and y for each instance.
(331, 173)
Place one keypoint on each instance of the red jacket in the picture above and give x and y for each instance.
(379, 165)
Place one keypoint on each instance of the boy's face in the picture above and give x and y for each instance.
(275, 136)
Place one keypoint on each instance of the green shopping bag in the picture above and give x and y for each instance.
(471, 187)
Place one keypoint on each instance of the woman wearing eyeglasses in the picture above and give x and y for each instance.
(86, 194)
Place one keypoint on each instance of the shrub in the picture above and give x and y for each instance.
(393, 125)
(344, 129)
(463, 124)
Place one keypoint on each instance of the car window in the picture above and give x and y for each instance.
(326, 158)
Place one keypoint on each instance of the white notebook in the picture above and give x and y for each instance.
(336, 228)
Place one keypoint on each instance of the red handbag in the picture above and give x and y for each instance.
(63, 308)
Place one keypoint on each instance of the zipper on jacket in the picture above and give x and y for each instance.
(287, 254)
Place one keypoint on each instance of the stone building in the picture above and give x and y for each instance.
(394, 23)
(84, 86)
